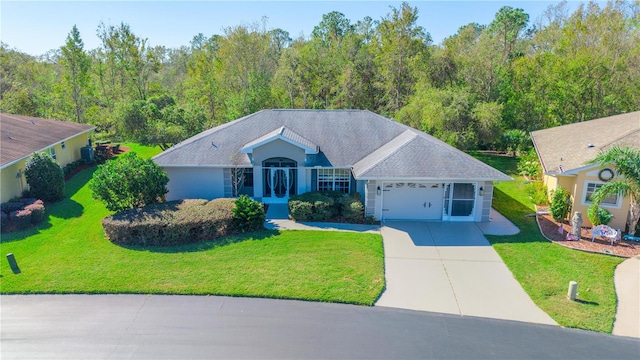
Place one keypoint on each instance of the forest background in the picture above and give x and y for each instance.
(483, 87)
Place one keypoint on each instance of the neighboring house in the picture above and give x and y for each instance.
(400, 172)
(24, 135)
(565, 150)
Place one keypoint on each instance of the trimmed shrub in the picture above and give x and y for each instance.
(300, 210)
(352, 208)
(248, 214)
(560, 204)
(4, 220)
(37, 212)
(129, 182)
(11, 206)
(45, 177)
(323, 206)
(171, 223)
(598, 215)
(21, 219)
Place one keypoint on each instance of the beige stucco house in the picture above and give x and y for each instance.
(24, 135)
(564, 152)
(400, 172)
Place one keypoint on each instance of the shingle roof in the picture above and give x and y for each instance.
(374, 145)
(24, 135)
(568, 147)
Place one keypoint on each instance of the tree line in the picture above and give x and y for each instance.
(482, 85)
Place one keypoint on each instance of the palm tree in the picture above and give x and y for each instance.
(627, 162)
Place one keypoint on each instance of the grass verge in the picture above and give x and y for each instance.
(67, 253)
(544, 269)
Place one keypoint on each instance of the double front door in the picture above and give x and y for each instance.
(279, 181)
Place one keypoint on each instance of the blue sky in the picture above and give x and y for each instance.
(36, 27)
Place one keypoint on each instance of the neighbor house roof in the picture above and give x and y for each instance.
(569, 147)
(373, 145)
(24, 135)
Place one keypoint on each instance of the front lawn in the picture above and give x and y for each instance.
(544, 269)
(67, 253)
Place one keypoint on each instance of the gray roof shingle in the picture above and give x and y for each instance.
(569, 147)
(24, 135)
(374, 145)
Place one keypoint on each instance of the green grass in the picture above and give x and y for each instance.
(143, 151)
(68, 253)
(544, 269)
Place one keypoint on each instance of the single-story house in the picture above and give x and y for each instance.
(24, 135)
(564, 152)
(400, 172)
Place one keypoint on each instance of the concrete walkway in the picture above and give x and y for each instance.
(627, 282)
(451, 268)
(277, 218)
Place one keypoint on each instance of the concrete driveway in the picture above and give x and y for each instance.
(451, 268)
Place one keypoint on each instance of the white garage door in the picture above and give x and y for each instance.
(412, 201)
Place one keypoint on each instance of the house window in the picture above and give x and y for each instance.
(334, 179)
(63, 145)
(52, 152)
(591, 187)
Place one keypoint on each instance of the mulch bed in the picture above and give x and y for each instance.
(601, 245)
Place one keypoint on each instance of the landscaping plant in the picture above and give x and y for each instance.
(248, 214)
(560, 204)
(45, 177)
(129, 182)
(598, 215)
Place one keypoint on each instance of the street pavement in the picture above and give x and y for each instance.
(208, 327)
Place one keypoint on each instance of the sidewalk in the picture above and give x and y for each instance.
(627, 282)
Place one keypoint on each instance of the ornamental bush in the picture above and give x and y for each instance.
(171, 223)
(45, 177)
(560, 204)
(129, 182)
(21, 219)
(598, 215)
(300, 210)
(248, 214)
(323, 206)
(37, 212)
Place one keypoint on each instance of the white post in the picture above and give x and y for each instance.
(573, 290)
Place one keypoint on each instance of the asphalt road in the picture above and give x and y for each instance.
(193, 327)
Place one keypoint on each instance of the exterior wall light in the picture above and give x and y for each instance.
(378, 191)
(481, 192)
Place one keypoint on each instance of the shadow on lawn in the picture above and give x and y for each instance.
(520, 215)
(207, 245)
(63, 209)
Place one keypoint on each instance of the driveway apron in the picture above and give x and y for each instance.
(451, 268)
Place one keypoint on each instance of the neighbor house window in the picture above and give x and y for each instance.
(334, 179)
(63, 145)
(592, 187)
(52, 152)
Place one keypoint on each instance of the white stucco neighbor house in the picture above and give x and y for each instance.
(400, 172)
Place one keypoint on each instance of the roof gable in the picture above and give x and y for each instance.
(24, 135)
(563, 149)
(285, 135)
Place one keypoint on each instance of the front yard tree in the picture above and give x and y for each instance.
(129, 182)
(45, 177)
(627, 162)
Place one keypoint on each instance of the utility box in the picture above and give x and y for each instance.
(87, 154)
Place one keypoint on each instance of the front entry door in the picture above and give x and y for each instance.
(279, 183)
(279, 179)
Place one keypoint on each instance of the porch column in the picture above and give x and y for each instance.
(257, 182)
